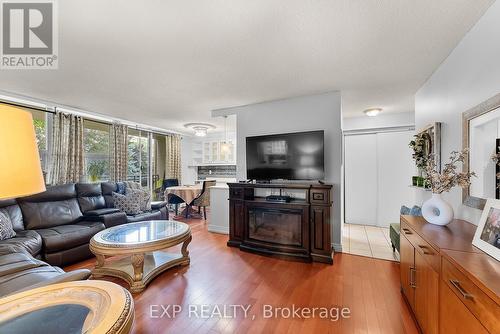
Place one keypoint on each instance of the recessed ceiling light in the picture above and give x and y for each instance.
(372, 112)
(200, 129)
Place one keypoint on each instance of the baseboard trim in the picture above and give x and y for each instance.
(218, 229)
(337, 247)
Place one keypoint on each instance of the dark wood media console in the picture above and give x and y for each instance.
(299, 229)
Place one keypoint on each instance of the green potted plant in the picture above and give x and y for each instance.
(420, 155)
(96, 169)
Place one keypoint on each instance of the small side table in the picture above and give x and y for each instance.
(74, 307)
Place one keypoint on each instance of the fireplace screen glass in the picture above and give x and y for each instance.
(277, 226)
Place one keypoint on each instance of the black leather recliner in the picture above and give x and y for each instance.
(20, 271)
(26, 239)
(55, 214)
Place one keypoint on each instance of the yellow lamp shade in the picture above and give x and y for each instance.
(20, 169)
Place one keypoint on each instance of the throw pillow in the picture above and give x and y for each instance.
(404, 210)
(145, 198)
(122, 187)
(6, 229)
(130, 203)
(416, 211)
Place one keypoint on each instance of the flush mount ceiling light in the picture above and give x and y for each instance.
(372, 112)
(200, 129)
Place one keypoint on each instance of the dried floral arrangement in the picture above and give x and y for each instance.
(496, 159)
(450, 176)
(420, 155)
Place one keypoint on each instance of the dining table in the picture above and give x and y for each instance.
(187, 193)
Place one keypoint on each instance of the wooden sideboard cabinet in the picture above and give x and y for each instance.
(450, 285)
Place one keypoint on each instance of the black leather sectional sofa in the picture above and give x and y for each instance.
(57, 225)
(19, 271)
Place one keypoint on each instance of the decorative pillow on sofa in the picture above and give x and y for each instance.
(130, 203)
(121, 188)
(145, 198)
(6, 229)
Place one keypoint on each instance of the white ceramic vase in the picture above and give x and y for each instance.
(437, 211)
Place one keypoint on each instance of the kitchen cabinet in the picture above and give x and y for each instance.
(214, 151)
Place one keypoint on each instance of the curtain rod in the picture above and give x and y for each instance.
(52, 110)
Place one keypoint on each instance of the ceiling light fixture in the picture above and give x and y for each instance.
(200, 129)
(372, 112)
(225, 147)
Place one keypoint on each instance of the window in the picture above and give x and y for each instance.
(158, 161)
(138, 157)
(96, 151)
(41, 126)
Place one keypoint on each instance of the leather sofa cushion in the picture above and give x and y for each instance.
(90, 196)
(69, 256)
(158, 205)
(69, 236)
(155, 215)
(39, 215)
(53, 194)
(15, 262)
(108, 188)
(28, 240)
(56, 206)
(101, 212)
(7, 202)
(14, 211)
(19, 280)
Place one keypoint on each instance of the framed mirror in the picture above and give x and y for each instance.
(481, 135)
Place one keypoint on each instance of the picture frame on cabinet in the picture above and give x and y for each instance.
(487, 236)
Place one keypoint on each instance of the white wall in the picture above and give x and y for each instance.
(469, 76)
(381, 121)
(188, 174)
(307, 113)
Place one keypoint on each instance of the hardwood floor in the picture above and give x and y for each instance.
(221, 275)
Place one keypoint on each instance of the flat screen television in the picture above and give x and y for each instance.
(290, 156)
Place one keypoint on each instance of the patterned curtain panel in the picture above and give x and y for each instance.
(66, 160)
(173, 157)
(118, 153)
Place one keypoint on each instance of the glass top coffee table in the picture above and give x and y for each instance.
(143, 245)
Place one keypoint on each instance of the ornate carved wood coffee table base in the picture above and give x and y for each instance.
(144, 260)
(94, 307)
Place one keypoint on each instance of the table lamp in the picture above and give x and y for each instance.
(20, 169)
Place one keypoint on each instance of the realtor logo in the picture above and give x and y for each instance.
(29, 34)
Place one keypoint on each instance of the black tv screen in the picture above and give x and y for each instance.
(290, 156)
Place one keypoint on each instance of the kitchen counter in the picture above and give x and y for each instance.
(219, 209)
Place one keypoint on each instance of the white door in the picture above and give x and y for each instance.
(360, 171)
(395, 169)
(378, 169)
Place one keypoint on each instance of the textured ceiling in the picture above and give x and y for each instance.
(166, 63)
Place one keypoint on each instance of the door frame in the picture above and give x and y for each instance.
(346, 133)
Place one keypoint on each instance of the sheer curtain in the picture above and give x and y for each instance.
(173, 157)
(66, 150)
(118, 152)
